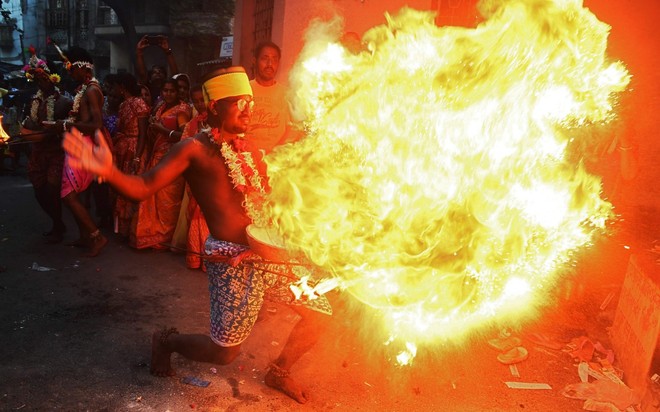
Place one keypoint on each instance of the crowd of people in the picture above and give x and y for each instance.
(172, 164)
(141, 116)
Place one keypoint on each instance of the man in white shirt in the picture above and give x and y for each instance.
(271, 116)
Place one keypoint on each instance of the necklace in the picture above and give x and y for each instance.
(50, 105)
(244, 174)
(73, 114)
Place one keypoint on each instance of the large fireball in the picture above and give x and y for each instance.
(434, 181)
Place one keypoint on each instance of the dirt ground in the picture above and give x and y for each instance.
(77, 338)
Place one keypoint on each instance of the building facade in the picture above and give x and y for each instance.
(195, 29)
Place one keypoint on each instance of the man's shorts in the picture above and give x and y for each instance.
(237, 293)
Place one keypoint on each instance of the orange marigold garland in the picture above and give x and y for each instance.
(244, 174)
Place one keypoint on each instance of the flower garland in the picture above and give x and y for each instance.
(73, 114)
(244, 174)
(50, 105)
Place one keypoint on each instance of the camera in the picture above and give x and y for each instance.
(153, 40)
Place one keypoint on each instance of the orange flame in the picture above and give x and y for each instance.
(434, 181)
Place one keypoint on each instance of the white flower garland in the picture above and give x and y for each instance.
(251, 186)
(50, 106)
(78, 98)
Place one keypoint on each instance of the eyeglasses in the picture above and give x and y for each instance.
(243, 104)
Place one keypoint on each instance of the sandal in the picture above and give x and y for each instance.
(515, 355)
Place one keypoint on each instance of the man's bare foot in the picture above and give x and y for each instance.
(286, 385)
(97, 243)
(160, 356)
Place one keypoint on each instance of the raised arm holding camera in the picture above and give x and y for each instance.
(155, 77)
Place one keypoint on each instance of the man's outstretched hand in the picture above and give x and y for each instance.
(83, 154)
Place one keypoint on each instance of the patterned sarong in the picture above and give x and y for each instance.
(237, 293)
(74, 179)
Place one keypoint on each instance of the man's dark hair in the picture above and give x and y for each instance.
(129, 82)
(267, 43)
(78, 54)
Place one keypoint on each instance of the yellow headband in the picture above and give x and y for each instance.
(227, 84)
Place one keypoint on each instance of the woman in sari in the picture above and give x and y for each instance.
(129, 143)
(192, 231)
(154, 223)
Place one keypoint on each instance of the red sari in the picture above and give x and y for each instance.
(154, 223)
(124, 150)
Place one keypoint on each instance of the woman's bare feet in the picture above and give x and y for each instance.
(160, 355)
(96, 243)
(285, 384)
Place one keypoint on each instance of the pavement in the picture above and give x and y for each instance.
(77, 338)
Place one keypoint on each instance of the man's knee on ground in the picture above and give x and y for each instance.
(226, 355)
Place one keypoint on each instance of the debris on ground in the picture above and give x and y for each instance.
(527, 385)
(35, 266)
(191, 380)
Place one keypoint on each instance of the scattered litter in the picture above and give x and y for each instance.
(214, 370)
(583, 371)
(21, 407)
(138, 399)
(241, 382)
(597, 406)
(4, 239)
(527, 385)
(595, 371)
(35, 266)
(275, 343)
(272, 310)
(581, 348)
(191, 380)
(368, 384)
(515, 355)
(514, 371)
(607, 301)
(603, 391)
(615, 375)
(609, 353)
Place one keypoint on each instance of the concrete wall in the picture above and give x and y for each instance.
(13, 55)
